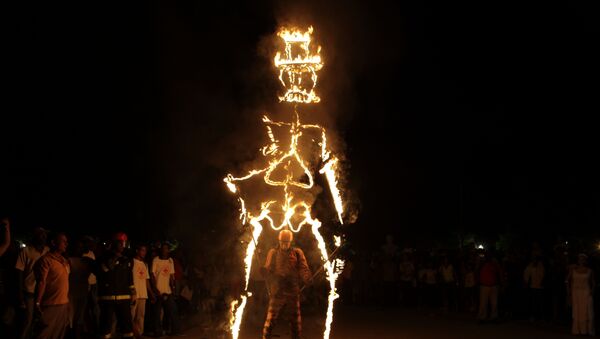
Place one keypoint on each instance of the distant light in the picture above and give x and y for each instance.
(23, 245)
(480, 247)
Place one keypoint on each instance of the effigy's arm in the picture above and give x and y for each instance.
(230, 179)
(330, 169)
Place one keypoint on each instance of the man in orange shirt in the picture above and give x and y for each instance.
(52, 290)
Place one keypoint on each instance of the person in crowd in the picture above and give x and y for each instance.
(580, 286)
(27, 258)
(141, 281)
(179, 276)
(116, 291)
(5, 229)
(469, 286)
(347, 282)
(285, 268)
(533, 277)
(428, 284)
(4, 293)
(449, 283)
(163, 270)
(513, 296)
(389, 273)
(408, 281)
(92, 314)
(558, 275)
(52, 290)
(81, 268)
(490, 278)
(362, 278)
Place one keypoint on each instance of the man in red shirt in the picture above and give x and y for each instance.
(490, 276)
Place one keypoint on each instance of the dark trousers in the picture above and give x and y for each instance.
(121, 309)
(536, 303)
(7, 318)
(92, 316)
(407, 293)
(77, 306)
(284, 304)
(429, 295)
(449, 296)
(26, 317)
(167, 303)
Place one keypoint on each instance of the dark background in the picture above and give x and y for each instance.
(458, 118)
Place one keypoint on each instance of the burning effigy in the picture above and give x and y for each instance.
(292, 163)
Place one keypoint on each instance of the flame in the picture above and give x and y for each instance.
(294, 67)
(330, 171)
(291, 209)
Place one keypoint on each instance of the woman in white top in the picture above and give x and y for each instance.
(580, 286)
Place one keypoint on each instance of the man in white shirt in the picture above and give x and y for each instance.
(163, 270)
(28, 256)
(141, 281)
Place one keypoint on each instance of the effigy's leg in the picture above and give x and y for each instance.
(331, 275)
(238, 306)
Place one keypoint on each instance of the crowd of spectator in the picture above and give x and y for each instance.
(55, 286)
(554, 285)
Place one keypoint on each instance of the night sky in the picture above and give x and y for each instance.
(458, 119)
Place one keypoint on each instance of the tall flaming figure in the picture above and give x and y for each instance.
(290, 167)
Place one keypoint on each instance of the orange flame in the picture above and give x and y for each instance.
(295, 67)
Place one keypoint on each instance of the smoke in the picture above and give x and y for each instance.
(215, 89)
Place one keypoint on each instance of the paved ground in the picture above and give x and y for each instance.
(359, 323)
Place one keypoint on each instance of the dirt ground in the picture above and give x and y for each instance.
(370, 323)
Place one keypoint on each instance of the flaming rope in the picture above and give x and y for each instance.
(298, 74)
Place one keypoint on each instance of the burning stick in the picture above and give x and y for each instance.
(317, 272)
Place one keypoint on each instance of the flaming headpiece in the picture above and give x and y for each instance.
(298, 68)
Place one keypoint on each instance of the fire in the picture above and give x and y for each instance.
(297, 67)
(292, 210)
